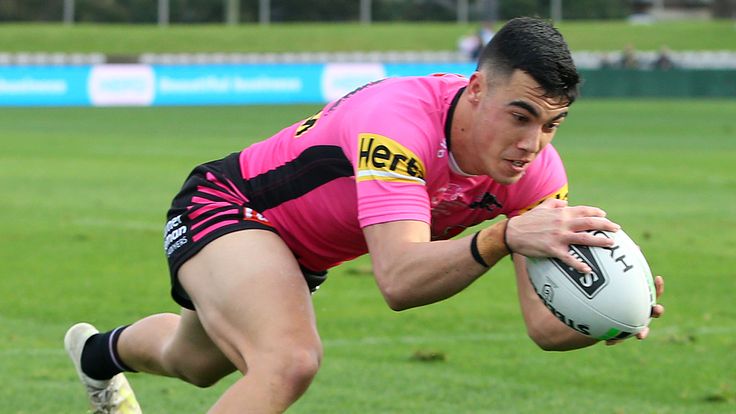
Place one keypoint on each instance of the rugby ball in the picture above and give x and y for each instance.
(614, 301)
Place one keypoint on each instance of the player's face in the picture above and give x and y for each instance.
(512, 122)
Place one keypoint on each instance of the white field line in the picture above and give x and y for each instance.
(418, 340)
(119, 224)
(411, 340)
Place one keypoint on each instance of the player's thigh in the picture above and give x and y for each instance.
(251, 296)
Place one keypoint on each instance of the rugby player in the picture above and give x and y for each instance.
(396, 169)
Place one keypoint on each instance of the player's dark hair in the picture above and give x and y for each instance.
(537, 48)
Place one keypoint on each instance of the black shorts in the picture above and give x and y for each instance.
(209, 205)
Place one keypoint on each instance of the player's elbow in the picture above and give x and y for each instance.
(538, 336)
(546, 336)
(395, 293)
(557, 337)
(395, 297)
(543, 341)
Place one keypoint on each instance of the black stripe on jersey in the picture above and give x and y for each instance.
(314, 167)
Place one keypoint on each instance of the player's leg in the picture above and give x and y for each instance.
(254, 304)
(163, 344)
(175, 346)
(109, 393)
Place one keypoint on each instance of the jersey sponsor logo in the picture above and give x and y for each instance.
(560, 194)
(383, 159)
(175, 235)
(307, 124)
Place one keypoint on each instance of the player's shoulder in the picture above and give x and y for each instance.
(413, 86)
(405, 108)
(547, 169)
(547, 159)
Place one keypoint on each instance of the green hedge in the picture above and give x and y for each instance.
(656, 83)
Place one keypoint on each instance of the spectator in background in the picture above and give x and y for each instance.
(470, 46)
(663, 61)
(486, 32)
(606, 62)
(628, 58)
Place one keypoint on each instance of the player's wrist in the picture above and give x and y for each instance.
(476, 253)
(506, 236)
(489, 245)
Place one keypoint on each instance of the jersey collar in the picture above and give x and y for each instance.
(448, 132)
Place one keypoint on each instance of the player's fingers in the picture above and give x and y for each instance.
(659, 285)
(553, 203)
(590, 239)
(593, 223)
(574, 263)
(657, 311)
(586, 211)
(643, 334)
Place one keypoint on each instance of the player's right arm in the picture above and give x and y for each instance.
(413, 271)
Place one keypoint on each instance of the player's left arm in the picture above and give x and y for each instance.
(542, 326)
(548, 332)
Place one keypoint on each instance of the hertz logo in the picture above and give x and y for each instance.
(381, 158)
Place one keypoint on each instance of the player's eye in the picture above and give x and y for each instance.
(518, 117)
(551, 127)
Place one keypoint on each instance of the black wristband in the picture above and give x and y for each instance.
(474, 251)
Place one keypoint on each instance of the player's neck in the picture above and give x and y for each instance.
(459, 133)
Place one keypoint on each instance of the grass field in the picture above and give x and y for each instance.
(134, 39)
(86, 190)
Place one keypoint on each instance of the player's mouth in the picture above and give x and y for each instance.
(518, 165)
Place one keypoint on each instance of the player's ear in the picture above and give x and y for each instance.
(476, 87)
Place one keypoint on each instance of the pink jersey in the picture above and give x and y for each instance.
(379, 154)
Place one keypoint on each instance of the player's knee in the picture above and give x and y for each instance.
(303, 366)
(297, 367)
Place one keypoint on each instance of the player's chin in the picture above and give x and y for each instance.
(507, 178)
(503, 171)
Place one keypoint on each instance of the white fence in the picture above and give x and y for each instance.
(583, 59)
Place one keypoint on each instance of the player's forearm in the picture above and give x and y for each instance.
(427, 272)
(548, 332)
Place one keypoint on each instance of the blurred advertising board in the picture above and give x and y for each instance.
(220, 84)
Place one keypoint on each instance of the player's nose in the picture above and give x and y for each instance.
(530, 141)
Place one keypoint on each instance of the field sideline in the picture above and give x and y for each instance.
(87, 188)
(323, 37)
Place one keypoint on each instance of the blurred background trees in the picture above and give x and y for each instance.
(214, 11)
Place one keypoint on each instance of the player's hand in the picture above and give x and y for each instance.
(549, 229)
(657, 311)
